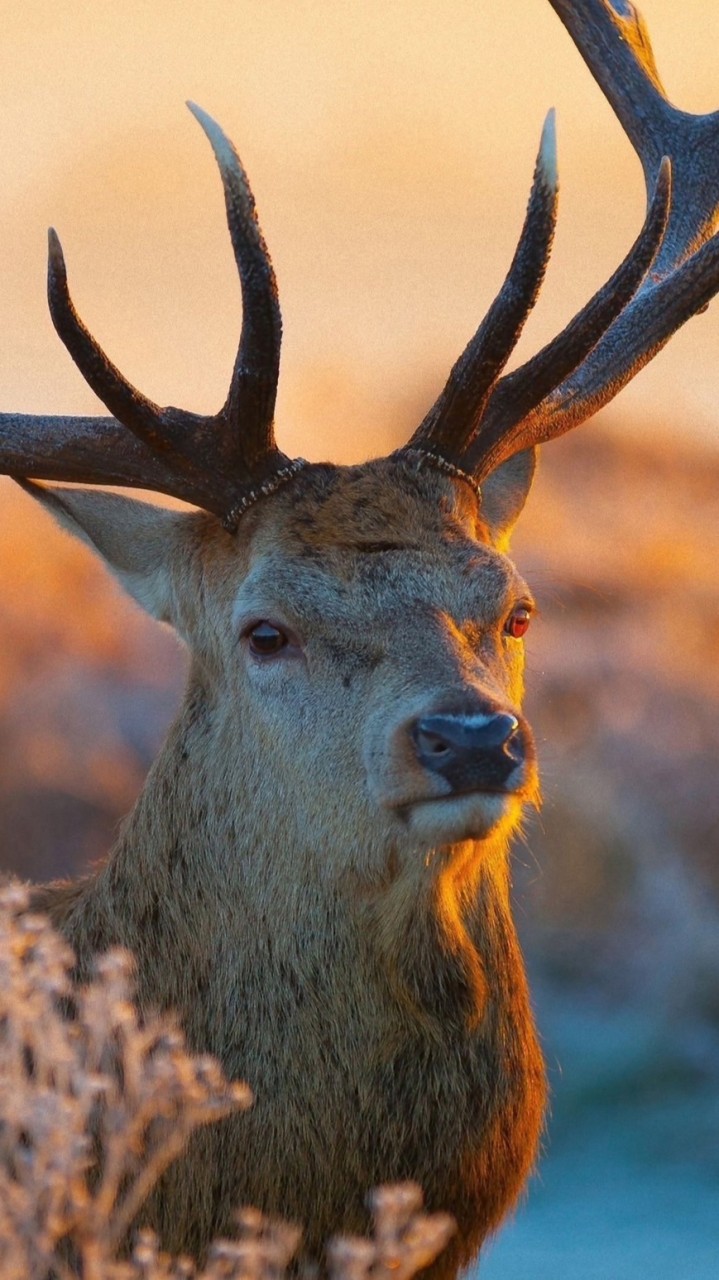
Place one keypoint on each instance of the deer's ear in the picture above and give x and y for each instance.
(504, 494)
(138, 542)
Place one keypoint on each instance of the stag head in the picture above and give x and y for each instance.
(365, 620)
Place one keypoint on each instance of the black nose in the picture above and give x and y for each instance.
(472, 752)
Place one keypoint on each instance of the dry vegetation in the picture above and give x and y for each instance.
(94, 1104)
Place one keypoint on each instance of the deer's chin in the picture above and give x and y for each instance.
(475, 816)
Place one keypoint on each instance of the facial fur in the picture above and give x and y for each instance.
(393, 601)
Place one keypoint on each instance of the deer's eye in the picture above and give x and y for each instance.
(265, 640)
(518, 621)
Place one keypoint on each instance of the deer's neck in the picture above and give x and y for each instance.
(204, 889)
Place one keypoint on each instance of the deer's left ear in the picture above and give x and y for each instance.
(504, 494)
(137, 541)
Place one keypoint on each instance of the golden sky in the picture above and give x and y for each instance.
(390, 144)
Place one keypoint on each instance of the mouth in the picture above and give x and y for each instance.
(471, 815)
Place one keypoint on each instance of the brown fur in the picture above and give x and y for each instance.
(291, 880)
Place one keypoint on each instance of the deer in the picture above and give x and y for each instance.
(316, 876)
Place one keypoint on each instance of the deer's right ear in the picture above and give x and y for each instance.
(137, 541)
(504, 494)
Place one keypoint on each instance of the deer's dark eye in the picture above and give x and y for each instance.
(518, 621)
(266, 640)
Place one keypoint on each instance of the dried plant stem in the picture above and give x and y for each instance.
(95, 1104)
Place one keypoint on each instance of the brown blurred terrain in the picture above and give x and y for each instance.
(87, 687)
(621, 543)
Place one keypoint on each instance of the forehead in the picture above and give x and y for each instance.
(375, 537)
(327, 508)
(349, 506)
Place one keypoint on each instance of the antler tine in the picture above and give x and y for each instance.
(452, 421)
(141, 416)
(250, 405)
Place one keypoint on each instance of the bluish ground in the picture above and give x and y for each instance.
(629, 1186)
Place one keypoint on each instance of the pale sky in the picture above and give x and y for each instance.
(390, 144)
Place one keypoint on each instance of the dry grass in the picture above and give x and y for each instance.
(94, 1105)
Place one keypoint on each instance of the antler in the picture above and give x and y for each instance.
(221, 462)
(638, 310)
(453, 417)
(224, 462)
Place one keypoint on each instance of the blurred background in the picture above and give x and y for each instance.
(390, 146)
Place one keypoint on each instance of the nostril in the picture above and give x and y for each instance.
(431, 744)
(514, 745)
